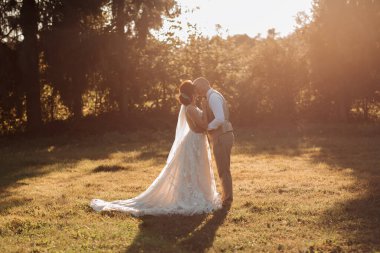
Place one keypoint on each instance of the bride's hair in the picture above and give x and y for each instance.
(186, 92)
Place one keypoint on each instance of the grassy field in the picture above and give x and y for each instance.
(305, 189)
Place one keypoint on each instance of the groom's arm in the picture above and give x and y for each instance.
(216, 106)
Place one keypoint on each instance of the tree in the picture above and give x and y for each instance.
(130, 25)
(70, 49)
(29, 62)
(343, 39)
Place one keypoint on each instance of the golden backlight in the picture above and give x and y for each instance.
(242, 16)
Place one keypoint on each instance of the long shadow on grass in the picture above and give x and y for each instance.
(23, 157)
(6, 205)
(358, 220)
(177, 233)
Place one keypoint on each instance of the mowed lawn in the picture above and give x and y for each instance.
(300, 189)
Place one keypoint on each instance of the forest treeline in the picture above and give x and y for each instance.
(66, 60)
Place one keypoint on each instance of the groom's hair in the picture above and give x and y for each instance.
(202, 82)
(186, 92)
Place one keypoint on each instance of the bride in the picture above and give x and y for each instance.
(186, 184)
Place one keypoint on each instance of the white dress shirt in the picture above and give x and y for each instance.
(215, 101)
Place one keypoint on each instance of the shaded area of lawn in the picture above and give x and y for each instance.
(30, 157)
(357, 150)
(352, 147)
(180, 233)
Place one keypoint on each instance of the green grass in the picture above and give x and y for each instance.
(306, 189)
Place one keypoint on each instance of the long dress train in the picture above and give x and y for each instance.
(185, 186)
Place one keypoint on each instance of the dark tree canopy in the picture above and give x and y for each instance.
(70, 59)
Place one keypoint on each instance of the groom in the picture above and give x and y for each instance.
(220, 133)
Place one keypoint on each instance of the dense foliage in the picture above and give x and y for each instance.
(62, 60)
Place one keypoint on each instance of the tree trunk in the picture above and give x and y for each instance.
(123, 98)
(77, 108)
(165, 106)
(118, 12)
(365, 109)
(343, 108)
(29, 62)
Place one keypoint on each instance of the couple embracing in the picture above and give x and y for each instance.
(186, 184)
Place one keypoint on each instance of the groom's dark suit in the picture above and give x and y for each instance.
(222, 139)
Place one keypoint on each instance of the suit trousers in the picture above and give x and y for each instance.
(222, 146)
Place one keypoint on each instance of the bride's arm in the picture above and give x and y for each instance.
(199, 120)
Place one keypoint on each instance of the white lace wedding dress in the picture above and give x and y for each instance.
(185, 186)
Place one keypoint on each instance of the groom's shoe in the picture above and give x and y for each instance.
(227, 203)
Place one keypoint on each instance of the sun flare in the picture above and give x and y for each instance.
(251, 17)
